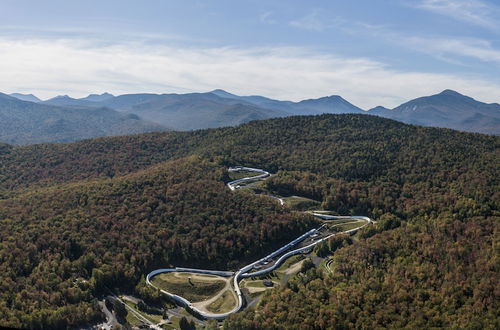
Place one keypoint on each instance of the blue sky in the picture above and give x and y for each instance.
(372, 53)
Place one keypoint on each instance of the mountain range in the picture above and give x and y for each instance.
(63, 118)
(24, 122)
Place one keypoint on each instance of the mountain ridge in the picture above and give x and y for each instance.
(24, 122)
(25, 97)
(218, 108)
(448, 109)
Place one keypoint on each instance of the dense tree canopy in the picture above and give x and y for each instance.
(63, 245)
(77, 218)
(433, 273)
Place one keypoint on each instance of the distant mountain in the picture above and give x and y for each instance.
(219, 108)
(65, 100)
(127, 101)
(192, 111)
(447, 109)
(23, 122)
(207, 110)
(25, 97)
(378, 110)
(178, 111)
(258, 100)
(330, 104)
(90, 100)
(122, 102)
(97, 97)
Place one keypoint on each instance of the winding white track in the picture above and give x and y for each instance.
(244, 272)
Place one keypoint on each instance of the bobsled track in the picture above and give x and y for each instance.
(282, 253)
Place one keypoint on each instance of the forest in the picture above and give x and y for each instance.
(78, 218)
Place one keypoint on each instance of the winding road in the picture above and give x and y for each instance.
(263, 265)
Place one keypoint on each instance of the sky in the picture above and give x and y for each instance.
(372, 53)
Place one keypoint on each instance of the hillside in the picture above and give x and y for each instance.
(23, 122)
(109, 210)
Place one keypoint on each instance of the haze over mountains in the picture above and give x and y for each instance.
(24, 122)
(26, 119)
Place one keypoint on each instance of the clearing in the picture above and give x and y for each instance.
(192, 286)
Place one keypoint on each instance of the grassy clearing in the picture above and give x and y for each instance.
(256, 187)
(132, 319)
(301, 203)
(193, 287)
(292, 260)
(225, 303)
(155, 318)
(174, 323)
(350, 225)
(257, 284)
(257, 287)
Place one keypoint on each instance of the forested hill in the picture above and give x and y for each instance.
(78, 217)
(339, 146)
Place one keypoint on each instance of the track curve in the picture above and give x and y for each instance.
(244, 271)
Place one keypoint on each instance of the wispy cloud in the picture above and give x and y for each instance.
(78, 67)
(472, 11)
(314, 21)
(267, 17)
(453, 48)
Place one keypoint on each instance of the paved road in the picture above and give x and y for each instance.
(202, 305)
(263, 262)
(137, 314)
(178, 314)
(111, 321)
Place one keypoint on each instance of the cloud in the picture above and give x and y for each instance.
(313, 22)
(446, 48)
(451, 48)
(266, 17)
(472, 11)
(81, 66)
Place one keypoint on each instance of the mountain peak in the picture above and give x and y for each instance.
(379, 107)
(218, 90)
(25, 97)
(378, 110)
(98, 97)
(103, 94)
(329, 104)
(450, 92)
(223, 93)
